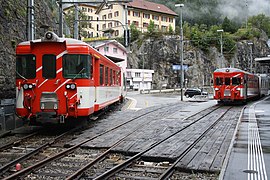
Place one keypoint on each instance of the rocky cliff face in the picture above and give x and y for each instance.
(162, 53)
(13, 18)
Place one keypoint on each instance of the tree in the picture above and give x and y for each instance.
(70, 19)
(229, 26)
(135, 33)
(261, 22)
(170, 30)
(151, 27)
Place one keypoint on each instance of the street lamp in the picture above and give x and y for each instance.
(181, 50)
(221, 46)
(251, 57)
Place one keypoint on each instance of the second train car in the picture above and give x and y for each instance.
(232, 84)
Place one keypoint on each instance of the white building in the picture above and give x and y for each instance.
(139, 79)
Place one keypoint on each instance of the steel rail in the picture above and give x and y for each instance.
(167, 174)
(123, 165)
(4, 168)
(71, 149)
(6, 146)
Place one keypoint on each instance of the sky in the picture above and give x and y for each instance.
(239, 9)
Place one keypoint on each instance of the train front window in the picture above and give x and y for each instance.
(77, 66)
(236, 81)
(49, 66)
(219, 81)
(26, 66)
(227, 81)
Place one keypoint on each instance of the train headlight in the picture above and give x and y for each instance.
(216, 89)
(238, 89)
(28, 86)
(25, 86)
(68, 86)
(49, 35)
(71, 86)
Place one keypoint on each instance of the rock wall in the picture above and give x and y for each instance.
(13, 16)
(160, 54)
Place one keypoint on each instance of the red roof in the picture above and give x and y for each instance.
(150, 6)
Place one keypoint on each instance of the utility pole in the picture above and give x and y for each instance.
(181, 50)
(76, 22)
(30, 20)
(60, 19)
(221, 46)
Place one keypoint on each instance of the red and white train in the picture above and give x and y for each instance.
(63, 78)
(231, 84)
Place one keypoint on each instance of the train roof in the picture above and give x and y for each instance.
(231, 70)
(68, 41)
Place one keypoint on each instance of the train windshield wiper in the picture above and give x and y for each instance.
(21, 76)
(80, 72)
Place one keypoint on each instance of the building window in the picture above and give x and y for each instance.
(146, 16)
(145, 24)
(115, 50)
(110, 25)
(128, 22)
(136, 23)
(164, 18)
(155, 17)
(136, 14)
(137, 74)
(104, 17)
(106, 49)
(129, 74)
(104, 26)
(109, 15)
(116, 13)
(117, 33)
(171, 20)
(116, 23)
(164, 28)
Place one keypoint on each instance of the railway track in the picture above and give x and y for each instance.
(29, 149)
(76, 162)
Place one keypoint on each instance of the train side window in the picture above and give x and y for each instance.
(106, 76)
(236, 81)
(26, 66)
(49, 66)
(227, 81)
(111, 77)
(219, 81)
(101, 72)
(76, 66)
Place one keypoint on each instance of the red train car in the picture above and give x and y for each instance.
(63, 78)
(231, 84)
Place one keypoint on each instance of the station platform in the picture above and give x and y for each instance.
(249, 156)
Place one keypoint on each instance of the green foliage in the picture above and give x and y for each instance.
(70, 19)
(229, 26)
(170, 30)
(151, 27)
(135, 33)
(261, 22)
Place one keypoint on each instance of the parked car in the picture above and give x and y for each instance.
(190, 92)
